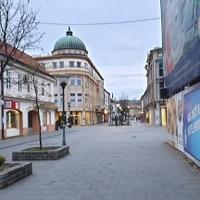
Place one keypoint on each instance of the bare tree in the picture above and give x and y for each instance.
(35, 86)
(18, 30)
(124, 103)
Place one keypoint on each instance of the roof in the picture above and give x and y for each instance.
(23, 58)
(69, 42)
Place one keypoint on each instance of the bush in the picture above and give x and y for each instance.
(2, 160)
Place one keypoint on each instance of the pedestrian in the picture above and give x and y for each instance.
(116, 119)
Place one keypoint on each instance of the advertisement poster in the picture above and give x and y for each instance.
(179, 120)
(181, 42)
(191, 123)
(172, 136)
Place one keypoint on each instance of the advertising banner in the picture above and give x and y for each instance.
(191, 123)
(172, 136)
(181, 42)
(175, 121)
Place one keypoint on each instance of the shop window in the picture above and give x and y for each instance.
(12, 119)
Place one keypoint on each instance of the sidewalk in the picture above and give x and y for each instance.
(16, 141)
(110, 163)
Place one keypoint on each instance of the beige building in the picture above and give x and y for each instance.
(153, 102)
(84, 93)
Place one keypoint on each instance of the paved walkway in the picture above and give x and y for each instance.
(109, 163)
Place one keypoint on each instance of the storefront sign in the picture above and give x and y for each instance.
(10, 104)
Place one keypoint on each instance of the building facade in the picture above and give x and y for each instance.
(107, 106)
(84, 93)
(20, 77)
(153, 100)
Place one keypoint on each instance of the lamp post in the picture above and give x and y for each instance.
(63, 84)
(110, 114)
(128, 115)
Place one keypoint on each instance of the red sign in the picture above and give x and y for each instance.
(10, 104)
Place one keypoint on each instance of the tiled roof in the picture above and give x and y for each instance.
(23, 58)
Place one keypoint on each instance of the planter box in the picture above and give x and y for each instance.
(15, 172)
(54, 153)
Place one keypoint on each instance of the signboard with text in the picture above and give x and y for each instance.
(191, 123)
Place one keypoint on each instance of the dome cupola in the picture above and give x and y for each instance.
(69, 42)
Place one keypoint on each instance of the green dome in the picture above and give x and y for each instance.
(69, 42)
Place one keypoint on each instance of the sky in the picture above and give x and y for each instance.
(119, 51)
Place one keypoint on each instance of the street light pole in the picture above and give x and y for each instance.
(63, 84)
(128, 115)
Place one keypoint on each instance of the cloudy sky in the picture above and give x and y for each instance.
(118, 51)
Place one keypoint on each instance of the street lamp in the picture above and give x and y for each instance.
(63, 84)
(111, 108)
(128, 115)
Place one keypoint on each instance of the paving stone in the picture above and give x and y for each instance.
(106, 163)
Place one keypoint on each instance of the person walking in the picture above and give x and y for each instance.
(116, 119)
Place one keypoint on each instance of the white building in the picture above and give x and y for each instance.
(20, 115)
(84, 93)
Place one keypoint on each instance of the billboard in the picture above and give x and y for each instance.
(175, 121)
(181, 42)
(191, 123)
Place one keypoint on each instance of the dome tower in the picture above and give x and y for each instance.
(69, 44)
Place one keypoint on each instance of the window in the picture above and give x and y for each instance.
(78, 81)
(19, 82)
(54, 65)
(72, 100)
(160, 69)
(161, 84)
(61, 64)
(71, 63)
(79, 100)
(42, 91)
(8, 80)
(72, 82)
(28, 88)
(78, 64)
(162, 93)
(44, 65)
(79, 95)
(72, 94)
(44, 118)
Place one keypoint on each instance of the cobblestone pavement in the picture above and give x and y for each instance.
(107, 163)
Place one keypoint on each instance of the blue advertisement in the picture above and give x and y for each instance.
(181, 42)
(191, 123)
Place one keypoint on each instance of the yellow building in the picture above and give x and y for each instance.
(84, 93)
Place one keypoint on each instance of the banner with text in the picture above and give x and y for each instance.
(191, 123)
